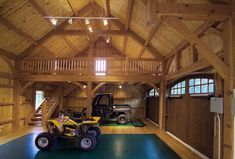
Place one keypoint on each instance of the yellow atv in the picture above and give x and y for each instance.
(66, 126)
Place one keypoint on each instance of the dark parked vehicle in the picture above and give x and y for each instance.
(103, 106)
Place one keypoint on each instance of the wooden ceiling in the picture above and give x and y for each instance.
(25, 32)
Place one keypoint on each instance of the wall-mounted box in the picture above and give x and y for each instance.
(233, 106)
(217, 105)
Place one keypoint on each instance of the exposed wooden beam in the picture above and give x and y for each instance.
(218, 12)
(107, 7)
(43, 14)
(83, 32)
(129, 13)
(79, 13)
(70, 44)
(141, 42)
(18, 31)
(40, 11)
(29, 50)
(8, 54)
(187, 70)
(133, 78)
(205, 51)
(125, 39)
(149, 38)
(6, 75)
(138, 39)
(199, 32)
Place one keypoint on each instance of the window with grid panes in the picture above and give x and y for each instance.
(201, 86)
(178, 89)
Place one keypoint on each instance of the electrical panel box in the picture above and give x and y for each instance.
(217, 105)
(233, 106)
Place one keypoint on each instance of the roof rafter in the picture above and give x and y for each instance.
(49, 34)
(129, 13)
(199, 32)
(18, 31)
(217, 12)
(138, 39)
(78, 13)
(205, 51)
(43, 14)
(149, 38)
(7, 54)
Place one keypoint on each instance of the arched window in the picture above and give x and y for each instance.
(153, 92)
(201, 86)
(178, 89)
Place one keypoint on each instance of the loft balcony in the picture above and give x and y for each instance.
(79, 69)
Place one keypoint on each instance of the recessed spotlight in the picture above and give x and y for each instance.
(54, 21)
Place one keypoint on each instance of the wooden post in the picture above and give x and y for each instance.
(89, 98)
(228, 123)
(16, 108)
(162, 99)
(61, 98)
(16, 98)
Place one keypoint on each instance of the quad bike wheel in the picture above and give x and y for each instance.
(122, 119)
(87, 142)
(44, 141)
(95, 131)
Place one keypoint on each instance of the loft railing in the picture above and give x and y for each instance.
(87, 66)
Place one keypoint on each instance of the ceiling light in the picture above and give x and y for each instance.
(105, 21)
(120, 86)
(84, 86)
(87, 21)
(70, 21)
(54, 21)
(90, 29)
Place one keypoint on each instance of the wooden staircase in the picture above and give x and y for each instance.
(46, 109)
(36, 119)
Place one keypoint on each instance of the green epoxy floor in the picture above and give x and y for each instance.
(141, 146)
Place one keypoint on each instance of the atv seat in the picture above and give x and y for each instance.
(77, 120)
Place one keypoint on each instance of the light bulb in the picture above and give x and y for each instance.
(54, 21)
(107, 40)
(105, 21)
(120, 86)
(87, 21)
(70, 21)
(84, 86)
(90, 29)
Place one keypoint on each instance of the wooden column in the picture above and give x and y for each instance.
(228, 127)
(89, 98)
(16, 99)
(61, 98)
(162, 99)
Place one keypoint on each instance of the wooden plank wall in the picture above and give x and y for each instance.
(189, 119)
(152, 109)
(6, 98)
(7, 102)
(131, 95)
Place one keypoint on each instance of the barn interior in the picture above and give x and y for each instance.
(171, 61)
